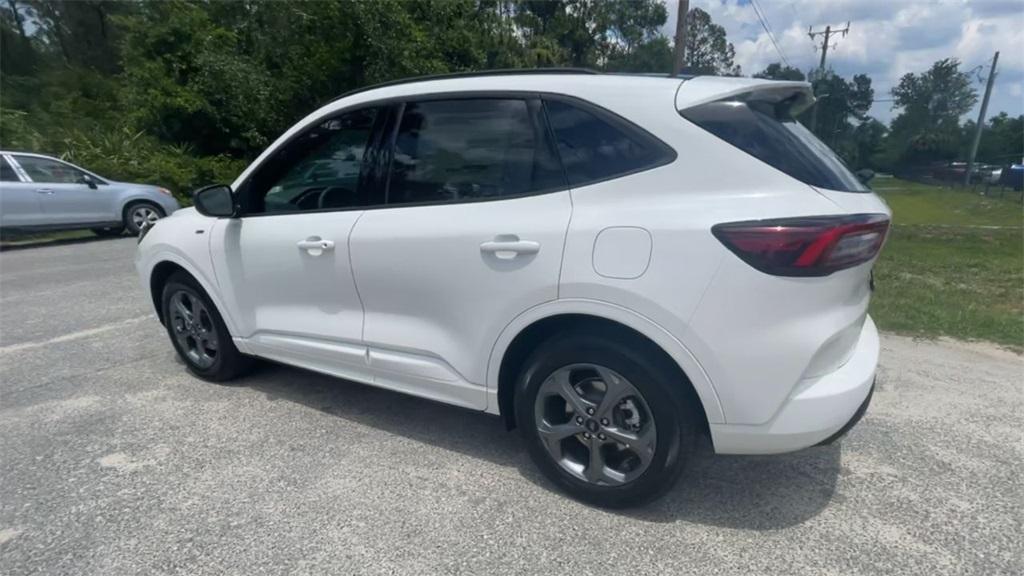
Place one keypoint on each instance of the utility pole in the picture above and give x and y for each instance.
(680, 52)
(981, 119)
(827, 33)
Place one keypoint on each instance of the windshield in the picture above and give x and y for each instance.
(778, 140)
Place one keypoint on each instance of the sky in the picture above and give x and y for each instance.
(887, 39)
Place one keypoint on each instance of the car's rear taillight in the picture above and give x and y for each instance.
(811, 246)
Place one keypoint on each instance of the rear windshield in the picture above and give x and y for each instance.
(776, 139)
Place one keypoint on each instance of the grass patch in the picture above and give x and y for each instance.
(943, 274)
(916, 204)
(19, 238)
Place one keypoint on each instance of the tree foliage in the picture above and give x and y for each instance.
(931, 104)
(708, 51)
(176, 80)
(776, 71)
(184, 92)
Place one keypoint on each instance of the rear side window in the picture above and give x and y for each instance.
(470, 149)
(7, 173)
(595, 145)
(776, 139)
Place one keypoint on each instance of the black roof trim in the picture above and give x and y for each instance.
(473, 74)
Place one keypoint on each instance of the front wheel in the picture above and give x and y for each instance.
(141, 213)
(198, 333)
(604, 418)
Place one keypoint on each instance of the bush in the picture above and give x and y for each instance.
(122, 154)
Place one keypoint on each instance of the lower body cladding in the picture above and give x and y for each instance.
(819, 410)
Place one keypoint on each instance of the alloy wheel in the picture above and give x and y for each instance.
(595, 424)
(144, 214)
(194, 329)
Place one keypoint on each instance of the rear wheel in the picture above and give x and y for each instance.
(140, 213)
(604, 418)
(198, 333)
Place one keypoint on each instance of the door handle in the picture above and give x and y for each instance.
(315, 246)
(44, 190)
(508, 249)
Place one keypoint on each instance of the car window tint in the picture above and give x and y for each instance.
(49, 171)
(318, 170)
(7, 174)
(593, 147)
(469, 149)
(776, 139)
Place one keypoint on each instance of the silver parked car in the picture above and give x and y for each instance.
(43, 193)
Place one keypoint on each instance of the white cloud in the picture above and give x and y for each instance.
(887, 39)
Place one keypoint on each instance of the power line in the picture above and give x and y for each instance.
(767, 29)
(827, 33)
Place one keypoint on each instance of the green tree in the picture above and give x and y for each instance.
(708, 51)
(1002, 141)
(869, 137)
(776, 71)
(930, 104)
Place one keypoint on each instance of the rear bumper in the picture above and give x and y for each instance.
(820, 409)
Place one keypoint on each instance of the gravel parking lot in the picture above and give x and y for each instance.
(114, 461)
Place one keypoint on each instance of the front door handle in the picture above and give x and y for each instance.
(44, 190)
(508, 249)
(315, 246)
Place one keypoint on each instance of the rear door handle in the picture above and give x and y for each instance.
(44, 190)
(508, 249)
(315, 246)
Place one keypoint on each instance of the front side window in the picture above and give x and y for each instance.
(45, 170)
(594, 146)
(7, 174)
(318, 170)
(470, 149)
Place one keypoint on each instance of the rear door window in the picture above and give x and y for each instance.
(596, 145)
(470, 149)
(776, 139)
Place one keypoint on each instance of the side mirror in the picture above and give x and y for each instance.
(865, 175)
(88, 181)
(217, 201)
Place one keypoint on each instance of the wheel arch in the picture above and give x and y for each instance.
(532, 327)
(129, 201)
(167, 264)
(158, 278)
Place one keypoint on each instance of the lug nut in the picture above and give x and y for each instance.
(590, 411)
(601, 437)
(587, 435)
(579, 419)
(604, 421)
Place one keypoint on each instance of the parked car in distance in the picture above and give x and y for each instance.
(614, 264)
(40, 192)
(986, 174)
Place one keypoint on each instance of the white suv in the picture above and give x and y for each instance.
(613, 264)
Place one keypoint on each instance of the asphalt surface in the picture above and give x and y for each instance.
(114, 461)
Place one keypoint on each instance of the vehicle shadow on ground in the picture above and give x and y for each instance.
(754, 493)
(19, 243)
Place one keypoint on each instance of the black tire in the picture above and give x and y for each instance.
(130, 222)
(228, 362)
(108, 232)
(645, 368)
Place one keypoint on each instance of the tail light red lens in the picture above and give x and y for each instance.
(813, 246)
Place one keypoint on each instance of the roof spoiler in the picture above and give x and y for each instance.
(789, 98)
